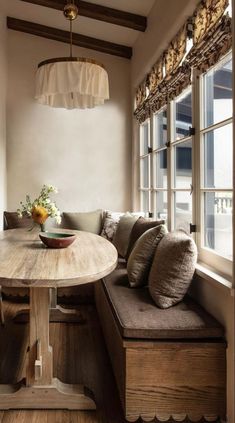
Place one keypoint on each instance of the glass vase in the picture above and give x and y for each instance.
(42, 227)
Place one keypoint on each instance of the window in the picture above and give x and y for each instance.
(183, 115)
(145, 167)
(216, 153)
(182, 161)
(186, 172)
(160, 183)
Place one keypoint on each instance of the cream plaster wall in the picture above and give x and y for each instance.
(85, 153)
(149, 46)
(3, 84)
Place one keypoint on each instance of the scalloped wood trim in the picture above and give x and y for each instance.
(163, 418)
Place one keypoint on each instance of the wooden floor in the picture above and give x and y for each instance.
(69, 341)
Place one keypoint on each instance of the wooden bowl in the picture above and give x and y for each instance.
(57, 240)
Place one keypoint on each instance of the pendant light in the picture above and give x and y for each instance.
(71, 82)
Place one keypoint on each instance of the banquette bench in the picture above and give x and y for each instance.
(167, 363)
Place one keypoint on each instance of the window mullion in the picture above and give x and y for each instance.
(216, 189)
(144, 144)
(169, 165)
(151, 166)
(216, 125)
(182, 140)
(136, 181)
(196, 168)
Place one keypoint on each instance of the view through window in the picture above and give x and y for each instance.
(217, 149)
(171, 187)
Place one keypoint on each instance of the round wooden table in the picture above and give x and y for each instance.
(26, 262)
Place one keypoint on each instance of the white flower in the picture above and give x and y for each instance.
(58, 219)
(51, 188)
(43, 201)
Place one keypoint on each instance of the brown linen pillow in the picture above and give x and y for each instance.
(172, 269)
(85, 221)
(138, 229)
(13, 221)
(122, 235)
(140, 259)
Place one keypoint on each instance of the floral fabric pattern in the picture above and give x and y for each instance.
(176, 51)
(211, 31)
(214, 46)
(206, 16)
(155, 76)
(111, 221)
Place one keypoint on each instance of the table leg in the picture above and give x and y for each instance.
(41, 390)
(40, 352)
(2, 320)
(58, 314)
(62, 314)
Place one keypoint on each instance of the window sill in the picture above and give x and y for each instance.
(214, 278)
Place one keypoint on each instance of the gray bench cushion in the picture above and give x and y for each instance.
(138, 317)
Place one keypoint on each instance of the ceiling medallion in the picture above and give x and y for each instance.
(71, 82)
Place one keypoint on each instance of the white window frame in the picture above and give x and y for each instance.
(141, 157)
(211, 258)
(207, 257)
(156, 150)
(173, 143)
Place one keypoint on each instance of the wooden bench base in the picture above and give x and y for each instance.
(165, 379)
(56, 395)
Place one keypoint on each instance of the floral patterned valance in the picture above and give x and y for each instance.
(176, 51)
(168, 89)
(211, 31)
(206, 16)
(215, 45)
(142, 113)
(164, 68)
(155, 76)
(140, 94)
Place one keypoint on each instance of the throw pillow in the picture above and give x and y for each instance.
(172, 269)
(86, 221)
(138, 229)
(140, 259)
(13, 221)
(122, 235)
(111, 220)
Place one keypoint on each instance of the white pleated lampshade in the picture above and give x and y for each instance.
(71, 84)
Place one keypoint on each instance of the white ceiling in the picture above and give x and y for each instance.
(86, 26)
(141, 7)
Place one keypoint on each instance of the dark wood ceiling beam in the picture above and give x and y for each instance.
(102, 13)
(64, 36)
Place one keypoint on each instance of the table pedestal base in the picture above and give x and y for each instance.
(57, 395)
(40, 390)
(57, 315)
